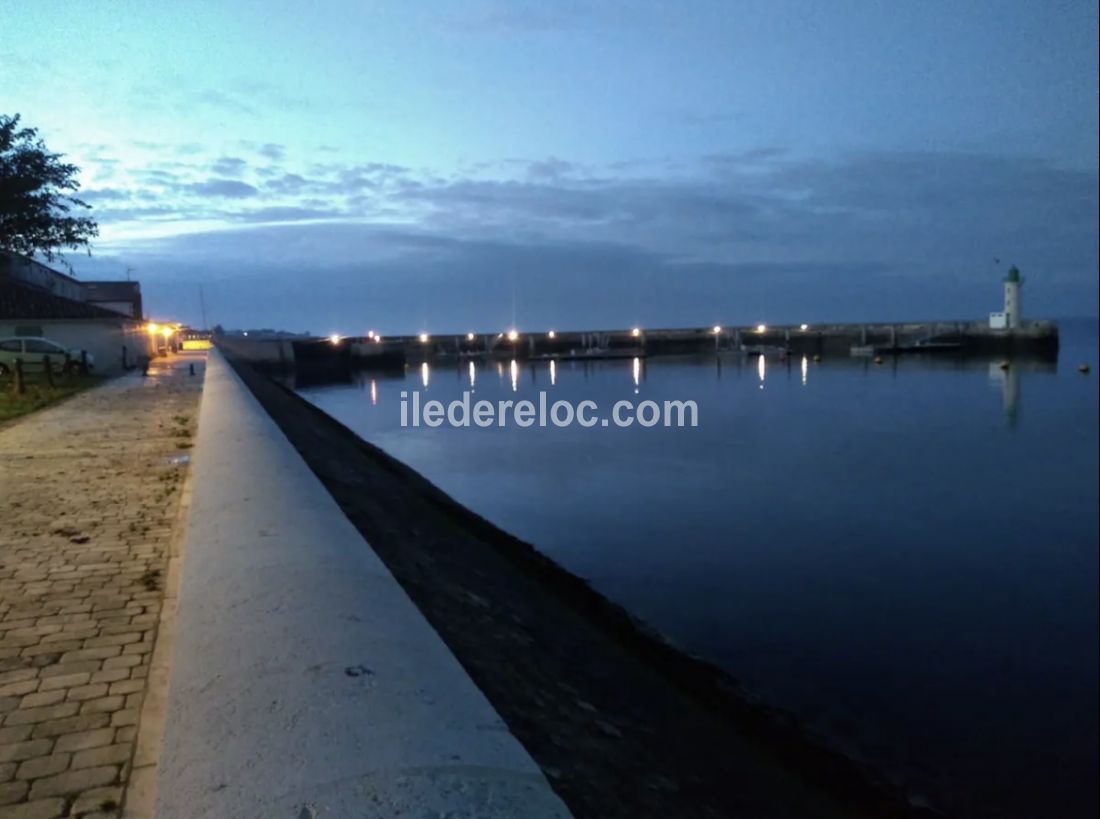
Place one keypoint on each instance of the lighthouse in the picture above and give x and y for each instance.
(1012, 298)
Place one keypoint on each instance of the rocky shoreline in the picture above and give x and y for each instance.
(623, 723)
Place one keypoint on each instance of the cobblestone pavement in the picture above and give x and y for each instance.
(89, 493)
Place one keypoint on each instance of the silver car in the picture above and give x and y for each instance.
(33, 349)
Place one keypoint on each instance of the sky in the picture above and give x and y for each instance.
(447, 166)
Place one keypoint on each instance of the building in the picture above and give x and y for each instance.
(36, 300)
(1010, 318)
(121, 297)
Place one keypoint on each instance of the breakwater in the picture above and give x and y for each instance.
(1034, 338)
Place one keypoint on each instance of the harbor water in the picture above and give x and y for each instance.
(904, 554)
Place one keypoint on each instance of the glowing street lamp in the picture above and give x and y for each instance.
(513, 335)
(334, 339)
(469, 336)
(761, 328)
(153, 328)
(716, 329)
(551, 334)
(637, 331)
(423, 338)
(804, 327)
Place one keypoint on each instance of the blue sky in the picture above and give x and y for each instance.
(437, 165)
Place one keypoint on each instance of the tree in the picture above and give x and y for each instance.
(36, 202)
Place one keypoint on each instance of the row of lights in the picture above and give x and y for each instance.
(513, 335)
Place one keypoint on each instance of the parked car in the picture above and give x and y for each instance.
(32, 349)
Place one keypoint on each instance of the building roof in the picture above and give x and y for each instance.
(18, 302)
(111, 291)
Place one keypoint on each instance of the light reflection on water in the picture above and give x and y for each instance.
(905, 554)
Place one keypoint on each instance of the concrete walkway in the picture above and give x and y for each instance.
(304, 682)
(88, 496)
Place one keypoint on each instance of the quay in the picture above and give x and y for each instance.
(91, 489)
(1031, 338)
(216, 639)
(305, 682)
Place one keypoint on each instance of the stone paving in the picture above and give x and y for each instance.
(89, 495)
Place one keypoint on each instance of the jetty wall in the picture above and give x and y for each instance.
(304, 682)
(1034, 338)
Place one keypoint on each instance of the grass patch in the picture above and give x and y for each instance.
(40, 395)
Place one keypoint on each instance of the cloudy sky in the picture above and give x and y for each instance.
(449, 164)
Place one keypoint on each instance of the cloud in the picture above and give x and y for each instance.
(219, 99)
(290, 183)
(94, 195)
(229, 166)
(739, 233)
(288, 214)
(550, 168)
(272, 151)
(229, 188)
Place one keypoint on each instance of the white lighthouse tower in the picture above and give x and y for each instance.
(1013, 282)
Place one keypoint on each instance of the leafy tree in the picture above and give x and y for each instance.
(36, 205)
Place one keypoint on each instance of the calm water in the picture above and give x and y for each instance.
(906, 555)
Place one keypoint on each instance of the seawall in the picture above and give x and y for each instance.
(304, 681)
(1035, 338)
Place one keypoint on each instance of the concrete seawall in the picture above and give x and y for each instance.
(304, 682)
